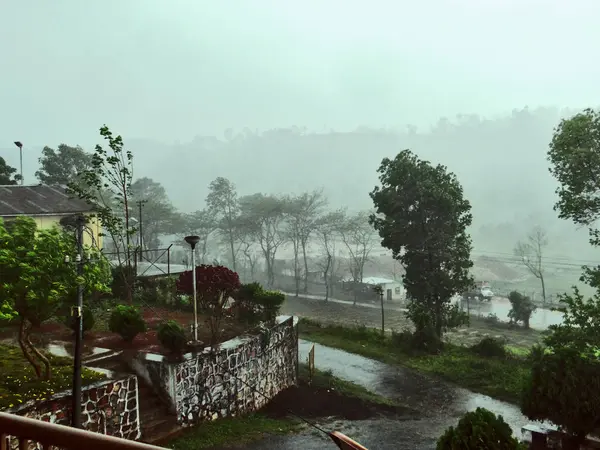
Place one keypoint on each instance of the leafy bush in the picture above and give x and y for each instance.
(490, 347)
(564, 388)
(255, 304)
(89, 320)
(477, 430)
(491, 319)
(123, 278)
(214, 285)
(521, 308)
(171, 335)
(157, 290)
(127, 321)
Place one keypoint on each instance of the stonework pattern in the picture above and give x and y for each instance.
(238, 379)
(108, 407)
(241, 377)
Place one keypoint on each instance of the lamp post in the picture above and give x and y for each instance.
(20, 145)
(379, 290)
(193, 240)
(77, 314)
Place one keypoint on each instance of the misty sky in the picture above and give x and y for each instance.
(171, 70)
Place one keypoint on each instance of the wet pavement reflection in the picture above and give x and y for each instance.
(440, 403)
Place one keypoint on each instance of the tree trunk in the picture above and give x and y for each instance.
(40, 355)
(296, 268)
(23, 338)
(326, 277)
(305, 266)
(232, 249)
(543, 289)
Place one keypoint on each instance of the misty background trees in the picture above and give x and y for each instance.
(485, 154)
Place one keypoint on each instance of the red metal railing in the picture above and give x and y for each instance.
(49, 436)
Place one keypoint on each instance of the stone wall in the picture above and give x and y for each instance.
(108, 407)
(241, 377)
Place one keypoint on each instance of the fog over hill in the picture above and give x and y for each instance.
(286, 97)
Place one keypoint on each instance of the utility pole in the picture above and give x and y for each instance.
(20, 145)
(141, 204)
(77, 313)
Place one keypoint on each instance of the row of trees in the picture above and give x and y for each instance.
(250, 229)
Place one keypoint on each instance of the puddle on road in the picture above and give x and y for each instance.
(439, 401)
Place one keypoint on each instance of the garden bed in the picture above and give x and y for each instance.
(19, 383)
(100, 337)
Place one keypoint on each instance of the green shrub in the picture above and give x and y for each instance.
(123, 278)
(89, 320)
(255, 304)
(271, 302)
(171, 336)
(477, 430)
(490, 347)
(127, 321)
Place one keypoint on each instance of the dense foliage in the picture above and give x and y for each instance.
(215, 285)
(477, 430)
(255, 304)
(521, 308)
(36, 282)
(564, 387)
(422, 217)
(127, 321)
(171, 335)
(63, 165)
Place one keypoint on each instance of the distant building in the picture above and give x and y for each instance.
(393, 291)
(47, 205)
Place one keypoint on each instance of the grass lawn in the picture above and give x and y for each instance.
(500, 378)
(245, 429)
(19, 384)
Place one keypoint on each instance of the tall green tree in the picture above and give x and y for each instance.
(574, 157)
(36, 282)
(422, 216)
(62, 166)
(8, 174)
(223, 204)
(106, 184)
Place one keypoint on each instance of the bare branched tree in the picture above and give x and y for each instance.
(359, 238)
(531, 252)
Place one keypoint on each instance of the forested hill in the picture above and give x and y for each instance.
(501, 163)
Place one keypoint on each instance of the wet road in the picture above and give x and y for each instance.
(440, 403)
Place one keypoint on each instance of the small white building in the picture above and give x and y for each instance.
(393, 291)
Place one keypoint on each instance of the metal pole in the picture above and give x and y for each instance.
(77, 314)
(21, 157)
(382, 313)
(195, 299)
(140, 204)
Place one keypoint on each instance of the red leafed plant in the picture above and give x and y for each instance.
(214, 286)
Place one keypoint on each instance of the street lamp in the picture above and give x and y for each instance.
(193, 240)
(20, 145)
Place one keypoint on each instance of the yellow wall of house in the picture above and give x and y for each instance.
(91, 237)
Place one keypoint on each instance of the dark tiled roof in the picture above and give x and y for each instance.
(18, 200)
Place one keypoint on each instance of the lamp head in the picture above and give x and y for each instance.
(192, 240)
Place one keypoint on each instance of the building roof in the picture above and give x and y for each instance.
(374, 280)
(39, 200)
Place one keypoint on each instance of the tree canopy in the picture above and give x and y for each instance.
(422, 216)
(8, 174)
(62, 166)
(36, 282)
